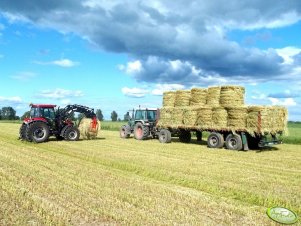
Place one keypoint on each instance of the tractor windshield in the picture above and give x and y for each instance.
(151, 115)
(42, 112)
(145, 115)
(35, 112)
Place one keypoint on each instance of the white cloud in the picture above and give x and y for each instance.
(285, 102)
(287, 53)
(161, 88)
(24, 75)
(61, 63)
(134, 92)
(60, 93)
(14, 99)
(132, 67)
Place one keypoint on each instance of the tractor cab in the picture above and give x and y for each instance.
(143, 115)
(42, 111)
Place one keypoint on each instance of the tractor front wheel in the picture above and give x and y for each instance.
(71, 134)
(125, 131)
(141, 132)
(37, 132)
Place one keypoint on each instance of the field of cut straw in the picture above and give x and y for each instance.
(115, 181)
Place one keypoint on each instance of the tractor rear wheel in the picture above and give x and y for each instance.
(234, 142)
(215, 140)
(185, 136)
(125, 131)
(141, 132)
(71, 134)
(37, 132)
(22, 132)
(164, 136)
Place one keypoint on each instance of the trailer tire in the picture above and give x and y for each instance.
(141, 132)
(125, 131)
(215, 140)
(234, 142)
(185, 136)
(164, 136)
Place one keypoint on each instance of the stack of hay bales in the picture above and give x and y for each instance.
(213, 96)
(86, 130)
(169, 99)
(182, 98)
(198, 96)
(231, 96)
(219, 108)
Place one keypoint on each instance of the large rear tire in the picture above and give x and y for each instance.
(141, 132)
(37, 132)
(71, 134)
(234, 142)
(164, 136)
(22, 132)
(185, 136)
(215, 140)
(125, 131)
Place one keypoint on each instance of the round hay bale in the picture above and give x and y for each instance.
(182, 98)
(86, 130)
(213, 96)
(204, 117)
(253, 120)
(237, 117)
(198, 96)
(165, 117)
(232, 96)
(219, 118)
(190, 116)
(169, 99)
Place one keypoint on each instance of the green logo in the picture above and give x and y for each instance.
(282, 215)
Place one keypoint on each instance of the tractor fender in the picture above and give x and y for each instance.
(64, 129)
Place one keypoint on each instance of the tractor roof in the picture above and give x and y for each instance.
(43, 105)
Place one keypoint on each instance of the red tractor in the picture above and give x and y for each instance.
(45, 120)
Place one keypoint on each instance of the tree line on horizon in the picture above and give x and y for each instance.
(9, 113)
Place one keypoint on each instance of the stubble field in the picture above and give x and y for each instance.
(116, 181)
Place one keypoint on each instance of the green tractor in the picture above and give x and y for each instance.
(142, 124)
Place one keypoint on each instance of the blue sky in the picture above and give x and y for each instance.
(117, 55)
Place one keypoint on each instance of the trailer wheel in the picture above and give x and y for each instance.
(234, 142)
(141, 132)
(198, 135)
(185, 136)
(164, 136)
(125, 131)
(215, 140)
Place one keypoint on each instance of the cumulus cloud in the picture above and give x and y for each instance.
(134, 92)
(285, 102)
(60, 94)
(288, 53)
(183, 36)
(61, 63)
(161, 88)
(14, 99)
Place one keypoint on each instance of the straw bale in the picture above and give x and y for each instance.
(204, 117)
(177, 116)
(198, 96)
(219, 118)
(86, 132)
(182, 98)
(237, 117)
(213, 96)
(232, 96)
(169, 99)
(165, 116)
(190, 116)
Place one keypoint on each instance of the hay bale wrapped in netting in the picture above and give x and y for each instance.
(165, 117)
(198, 96)
(169, 99)
(86, 129)
(232, 96)
(213, 96)
(182, 98)
(219, 118)
(204, 117)
(190, 116)
(237, 117)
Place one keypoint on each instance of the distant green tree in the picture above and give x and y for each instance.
(99, 115)
(25, 115)
(8, 113)
(114, 116)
